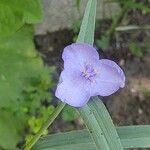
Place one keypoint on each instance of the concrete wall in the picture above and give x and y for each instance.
(59, 14)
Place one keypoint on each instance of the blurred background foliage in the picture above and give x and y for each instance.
(26, 83)
(24, 79)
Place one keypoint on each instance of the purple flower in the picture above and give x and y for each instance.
(85, 75)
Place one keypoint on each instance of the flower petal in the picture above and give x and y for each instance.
(72, 95)
(72, 89)
(79, 81)
(120, 72)
(109, 79)
(71, 75)
(77, 54)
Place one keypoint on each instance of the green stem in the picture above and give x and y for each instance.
(49, 121)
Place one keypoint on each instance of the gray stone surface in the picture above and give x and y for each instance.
(59, 14)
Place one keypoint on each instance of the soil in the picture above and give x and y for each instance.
(130, 105)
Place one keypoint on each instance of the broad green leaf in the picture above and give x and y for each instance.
(24, 81)
(9, 134)
(32, 11)
(131, 137)
(20, 66)
(100, 125)
(86, 34)
(8, 20)
(15, 13)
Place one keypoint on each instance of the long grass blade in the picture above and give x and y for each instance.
(86, 34)
(131, 137)
(100, 125)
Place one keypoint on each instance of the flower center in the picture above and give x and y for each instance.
(89, 72)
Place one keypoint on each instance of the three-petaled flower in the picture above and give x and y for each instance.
(86, 75)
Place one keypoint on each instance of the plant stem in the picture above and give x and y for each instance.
(49, 121)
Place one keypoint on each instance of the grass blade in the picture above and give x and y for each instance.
(131, 137)
(74, 140)
(86, 34)
(135, 136)
(100, 125)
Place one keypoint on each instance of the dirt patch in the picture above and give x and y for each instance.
(131, 104)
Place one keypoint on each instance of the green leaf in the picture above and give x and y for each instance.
(14, 14)
(32, 11)
(100, 125)
(20, 66)
(24, 82)
(8, 20)
(74, 140)
(135, 136)
(9, 134)
(86, 34)
(131, 137)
